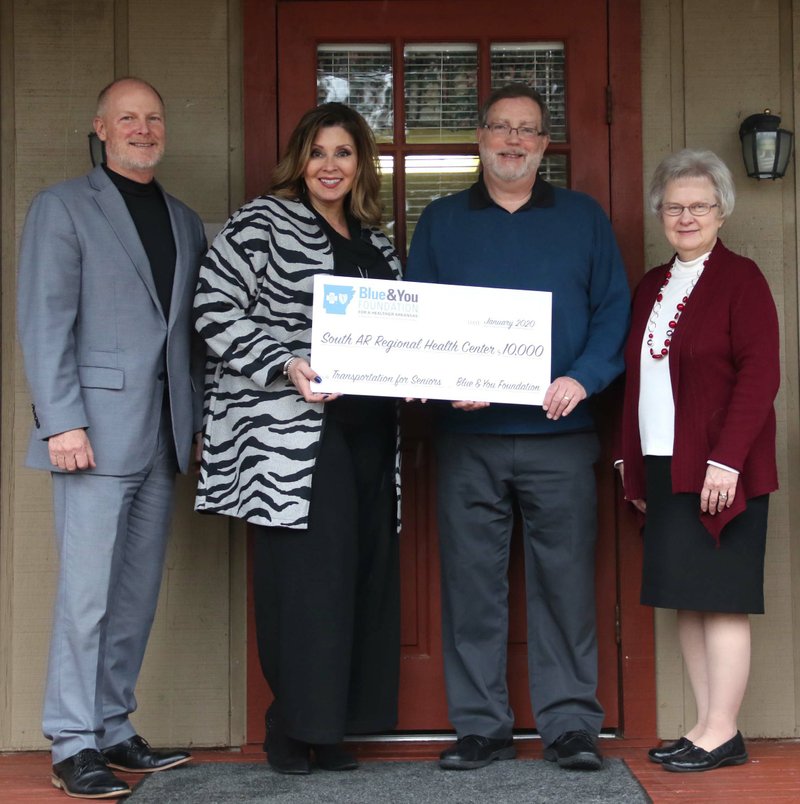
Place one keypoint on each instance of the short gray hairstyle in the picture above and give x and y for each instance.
(691, 164)
(510, 92)
(105, 91)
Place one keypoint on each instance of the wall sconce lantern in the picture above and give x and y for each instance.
(765, 147)
(97, 150)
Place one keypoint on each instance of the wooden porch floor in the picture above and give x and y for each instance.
(772, 775)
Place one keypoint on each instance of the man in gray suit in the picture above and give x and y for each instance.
(108, 268)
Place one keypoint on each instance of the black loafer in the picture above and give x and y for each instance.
(86, 775)
(135, 755)
(284, 754)
(698, 759)
(575, 750)
(474, 751)
(669, 751)
(334, 757)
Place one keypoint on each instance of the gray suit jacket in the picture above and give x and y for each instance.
(92, 331)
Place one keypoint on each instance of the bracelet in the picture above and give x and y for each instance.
(286, 366)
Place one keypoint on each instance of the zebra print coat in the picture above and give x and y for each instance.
(253, 308)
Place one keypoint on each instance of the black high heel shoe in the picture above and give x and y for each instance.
(284, 754)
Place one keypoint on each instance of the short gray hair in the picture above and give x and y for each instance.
(106, 90)
(691, 164)
(510, 92)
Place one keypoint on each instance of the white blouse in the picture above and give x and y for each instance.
(656, 404)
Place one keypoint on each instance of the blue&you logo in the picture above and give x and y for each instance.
(337, 297)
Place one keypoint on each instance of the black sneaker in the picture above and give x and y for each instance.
(474, 751)
(576, 750)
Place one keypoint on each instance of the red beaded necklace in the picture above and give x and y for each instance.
(656, 311)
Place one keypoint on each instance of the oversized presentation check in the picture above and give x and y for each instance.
(412, 339)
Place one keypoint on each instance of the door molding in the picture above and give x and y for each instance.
(636, 630)
(637, 693)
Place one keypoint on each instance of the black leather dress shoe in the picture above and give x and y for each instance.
(135, 755)
(575, 750)
(474, 751)
(698, 759)
(284, 754)
(665, 752)
(334, 757)
(86, 775)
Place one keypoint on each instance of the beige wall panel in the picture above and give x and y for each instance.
(187, 658)
(61, 52)
(791, 27)
(662, 65)
(182, 47)
(733, 88)
(63, 55)
(64, 52)
(724, 81)
(657, 80)
(711, 47)
(670, 681)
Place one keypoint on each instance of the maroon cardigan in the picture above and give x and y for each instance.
(724, 363)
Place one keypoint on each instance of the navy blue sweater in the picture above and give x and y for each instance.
(559, 241)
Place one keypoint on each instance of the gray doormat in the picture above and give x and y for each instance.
(518, 782)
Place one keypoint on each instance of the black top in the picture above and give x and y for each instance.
(148, 209)
(357, 257)
(542, 195)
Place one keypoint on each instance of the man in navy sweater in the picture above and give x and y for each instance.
(512, 229)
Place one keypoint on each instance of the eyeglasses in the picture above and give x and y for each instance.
(504, 130)
(697, 209)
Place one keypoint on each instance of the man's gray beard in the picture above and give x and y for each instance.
(124, 161)
(511, 174)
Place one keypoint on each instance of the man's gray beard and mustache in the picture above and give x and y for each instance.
(526, 167)
(147, 160)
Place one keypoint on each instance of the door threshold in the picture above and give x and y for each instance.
(440, 737)
(421, 737)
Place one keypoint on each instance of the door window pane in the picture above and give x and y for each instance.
(440, 100)
(554, 169)
(429, 177)
(361, 77)
(441, 92)
(539, 65)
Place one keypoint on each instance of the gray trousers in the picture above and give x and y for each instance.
(550, 480)
(111, 534)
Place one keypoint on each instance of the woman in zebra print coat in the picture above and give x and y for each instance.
(316, 476)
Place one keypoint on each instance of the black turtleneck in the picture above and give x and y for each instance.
(150, 215)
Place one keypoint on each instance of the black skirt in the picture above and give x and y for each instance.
(683, 566)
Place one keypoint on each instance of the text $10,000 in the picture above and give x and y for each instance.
(523, 349)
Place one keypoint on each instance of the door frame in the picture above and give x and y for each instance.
(636, 639)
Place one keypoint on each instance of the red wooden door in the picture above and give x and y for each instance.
(416, 70)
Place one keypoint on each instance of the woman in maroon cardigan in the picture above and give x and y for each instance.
(698, 446)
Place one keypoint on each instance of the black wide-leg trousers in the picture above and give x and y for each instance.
(327, 597)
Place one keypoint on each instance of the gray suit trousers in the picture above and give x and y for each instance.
(112, 536)
(550, 480)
